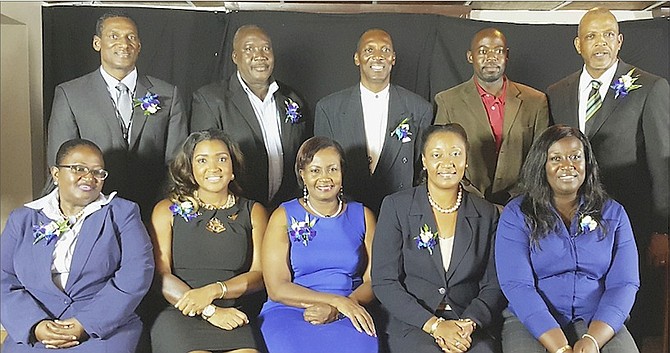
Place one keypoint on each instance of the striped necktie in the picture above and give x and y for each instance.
(124, 107)
(595, 102)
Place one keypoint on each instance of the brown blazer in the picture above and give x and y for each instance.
(526, 116)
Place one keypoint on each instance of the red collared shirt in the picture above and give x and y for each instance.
(495, 110)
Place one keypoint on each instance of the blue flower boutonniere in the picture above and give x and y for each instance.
(402, 131)
(426, 239)
(149, 103)
(302, 231)
(50, 231)
(185, 210)
(587, 224)
(625, 84)
(293, 114)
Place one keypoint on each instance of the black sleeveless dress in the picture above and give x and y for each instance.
(201, 257)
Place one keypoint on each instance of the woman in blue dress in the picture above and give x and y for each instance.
(316, 262)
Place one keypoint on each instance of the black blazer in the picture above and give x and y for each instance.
(340, 117)
(225, 105)
(411, 283)
(83, 108)
(630, 137)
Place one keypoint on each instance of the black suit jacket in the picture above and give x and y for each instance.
(340, 117)
(83, 108)
(225, 105)
(631, 139)
(411, 283)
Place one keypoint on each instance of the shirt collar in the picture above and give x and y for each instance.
(49, 204)
(503, 91)
(272, 88)
(604, 79)
(367, 94)
(130, 80)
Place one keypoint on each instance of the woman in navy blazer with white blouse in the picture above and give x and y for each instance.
(75, 263)
(432, 257)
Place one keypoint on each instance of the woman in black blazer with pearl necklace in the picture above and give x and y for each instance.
(432, 262)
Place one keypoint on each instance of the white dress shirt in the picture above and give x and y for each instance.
(446, 249)
(65, 243)
(585, 88)
(130, 81)
(268, 118)
(375, 119)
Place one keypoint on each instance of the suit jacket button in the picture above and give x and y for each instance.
(442, 290)
(401, 185)
(404, 159)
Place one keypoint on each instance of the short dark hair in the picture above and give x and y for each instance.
(450, 127)
(67, 146)
(111, 14)
(537, 205)
(310, 147)
(183, 184)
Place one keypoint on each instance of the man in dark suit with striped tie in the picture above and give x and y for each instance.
(625, 112)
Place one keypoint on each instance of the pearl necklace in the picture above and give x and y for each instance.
(451, 209)
(229, 203)
(72, 220)
(339, 209)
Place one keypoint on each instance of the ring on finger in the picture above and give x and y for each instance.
(191, 313)
(457, 344)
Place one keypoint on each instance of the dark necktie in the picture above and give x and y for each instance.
(595, 102)
(124, 106)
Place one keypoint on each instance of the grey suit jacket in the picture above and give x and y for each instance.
(83, 108)
(526, 116)
(411, 282)
(224, 105)
(630, 137)
(340, 117)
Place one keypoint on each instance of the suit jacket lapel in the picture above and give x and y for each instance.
(421, 213)
(609, 103)
(353, 117)
(463, 236)
(241, 102)
(571, 97)
(139, 119)
(101, 98)
(396, 113)
(512, 105)
(473, 101)
(42, 256)
(286, 130)
(89, 234)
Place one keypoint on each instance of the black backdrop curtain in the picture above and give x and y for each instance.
(314, 52)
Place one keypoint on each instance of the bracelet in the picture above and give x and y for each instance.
(224, 289)
(593, 339)
(433, 327)
(563, 349)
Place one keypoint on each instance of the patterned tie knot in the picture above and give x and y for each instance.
(595, 84)
(124, 89)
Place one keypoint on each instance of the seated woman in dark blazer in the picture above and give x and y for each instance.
(565, 254)
(75, 263)
(432, 257)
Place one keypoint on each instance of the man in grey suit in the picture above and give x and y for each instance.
(378, 124)
(501, 117)
(266, 118)
(625, 112)
(137, 140)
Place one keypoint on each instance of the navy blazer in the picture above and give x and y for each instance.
(630, 137)
(112, 269)
(340, 117)
(411, 283)
(225, 105)
(83, 108)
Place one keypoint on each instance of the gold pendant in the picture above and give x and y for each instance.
(215, 226)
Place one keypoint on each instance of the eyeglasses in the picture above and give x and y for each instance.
(81, 170)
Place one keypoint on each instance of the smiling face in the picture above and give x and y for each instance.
(75, 190)
(253, 55)
(375, 58)
(566, 166)
(488, 55)
(598, 41)
(444, 157)
(212, 167)
(119, 46)
(323, 175)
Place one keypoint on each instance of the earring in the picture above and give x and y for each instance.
(56, 182)
(304, 193)
(232, 177)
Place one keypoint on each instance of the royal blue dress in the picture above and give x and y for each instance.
(332, 260)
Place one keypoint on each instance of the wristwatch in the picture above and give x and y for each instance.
(208, 311)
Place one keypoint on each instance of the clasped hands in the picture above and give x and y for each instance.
(321, 313)
(194, 301)
(454, 335)
(55, 334)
